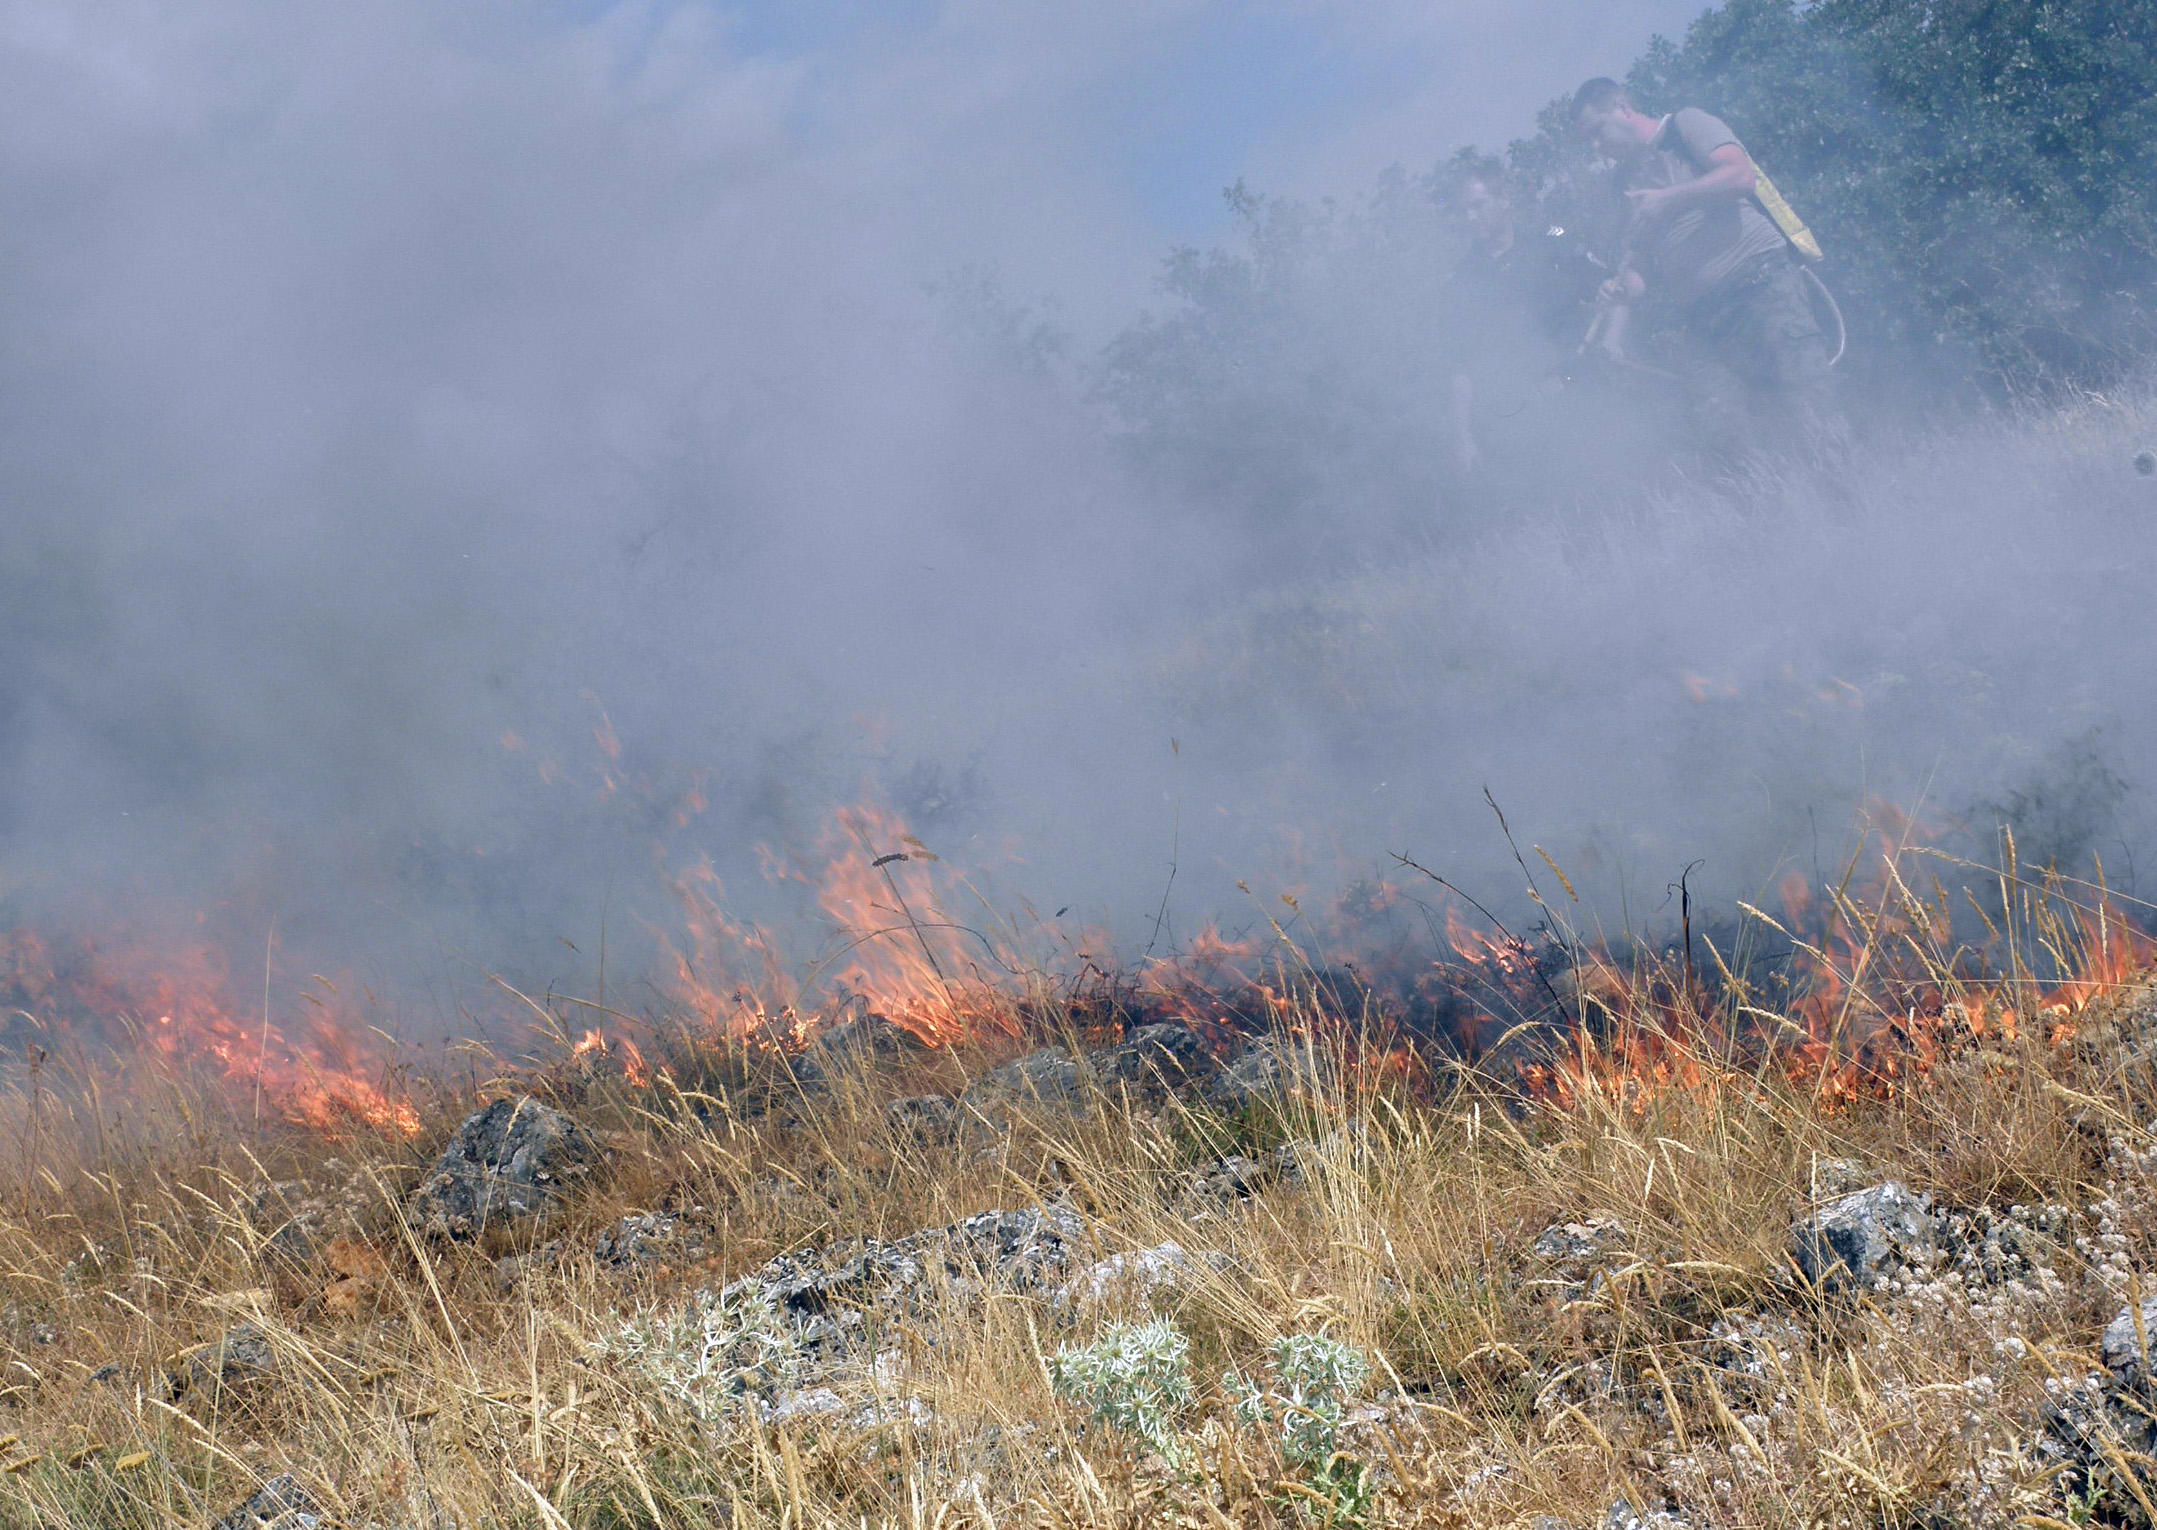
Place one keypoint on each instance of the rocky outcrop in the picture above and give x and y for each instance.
(1156, 1060)
(1141, 1276)
(853, 1044)
(506, 1163)
(1270, 1070)
(1048, 1076)
(1861, 1239)
(1153, 1062)
(834, 1296)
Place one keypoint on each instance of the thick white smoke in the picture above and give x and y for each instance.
(399, 409)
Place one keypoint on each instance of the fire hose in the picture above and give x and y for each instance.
(1842, 330)
(1606, 331)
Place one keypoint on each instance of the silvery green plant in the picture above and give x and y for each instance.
(711, 1356)
(1312, 1378)
(1135, 1378)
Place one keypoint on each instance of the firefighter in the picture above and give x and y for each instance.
(1724, 278)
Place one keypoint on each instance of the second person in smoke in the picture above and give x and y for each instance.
(1723, 279)
(1518, 300)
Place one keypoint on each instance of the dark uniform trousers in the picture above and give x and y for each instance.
(1755, 366)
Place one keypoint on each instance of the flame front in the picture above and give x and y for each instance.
(177, 999)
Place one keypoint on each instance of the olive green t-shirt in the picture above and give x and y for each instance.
(1687, 256)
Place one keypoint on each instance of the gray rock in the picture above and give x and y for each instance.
(1839, 1176)
(854, 1044)
(1271, 1069)
(298, 1218)
(1049, 1076)
(282, 1504)
(647, 1238)
(1156, 1060)
(925, 1117)
(1581, 1242)
(2123, 1346)
(241, 1357)
(1862, 1239)
(1990, 1247)
(1621, 1515)
(1141, 1274)
(832, 1297)
(507, 1162)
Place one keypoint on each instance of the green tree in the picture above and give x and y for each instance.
(1983, 174)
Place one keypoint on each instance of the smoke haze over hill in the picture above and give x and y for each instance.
(454, 459)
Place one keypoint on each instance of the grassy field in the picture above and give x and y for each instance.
(1574, 1287)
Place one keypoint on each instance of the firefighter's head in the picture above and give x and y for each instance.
(1604, 114)
(1484, 201)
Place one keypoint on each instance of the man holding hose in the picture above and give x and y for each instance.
(1737, 309)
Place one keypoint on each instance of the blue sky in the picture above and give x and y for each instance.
(1155, 107)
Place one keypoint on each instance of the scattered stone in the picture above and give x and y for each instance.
(850, 1045)
(2146, 462)
(511, 1271)
(925, 1117)
(1156, 1060)
(506, 1162)
(827, 1297)
(1989, 1247)
(1581, 1253)
(282, 1504)
(1270, 1070)
(1140, 1274)
(1623, 1516)
(650, 1239)
(99, 1261)
(240, 1358)
(1049, 1076)
(1863, 1238)
(2123, 1346)
(809, 1402)
(1582, 1242)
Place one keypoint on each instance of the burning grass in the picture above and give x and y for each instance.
(1567, 1260)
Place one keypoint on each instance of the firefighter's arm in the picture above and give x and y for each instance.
(1730, 176)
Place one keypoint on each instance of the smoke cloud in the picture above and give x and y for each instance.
(461, 466)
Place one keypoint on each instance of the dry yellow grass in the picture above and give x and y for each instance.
(407, 1384)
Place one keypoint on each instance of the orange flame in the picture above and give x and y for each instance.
(178, 996)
